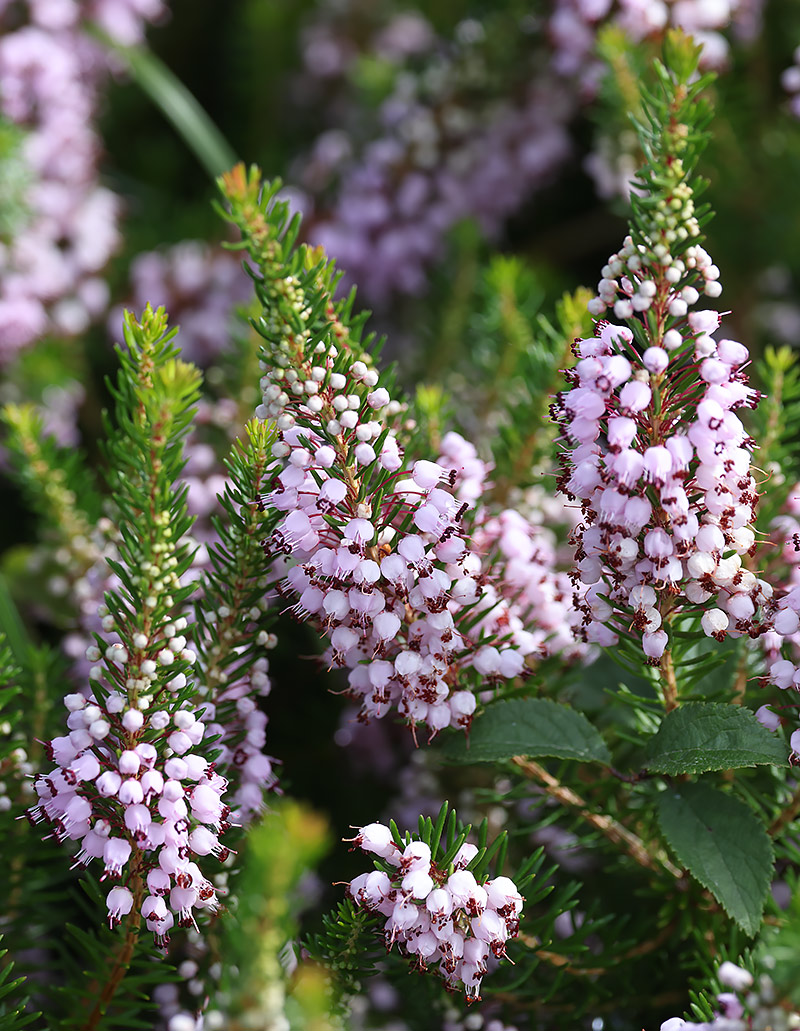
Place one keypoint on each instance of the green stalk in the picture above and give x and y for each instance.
(12, 627)
(179, 107)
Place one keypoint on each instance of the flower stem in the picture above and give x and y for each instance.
(614, 831)
(121, 957)
(556, 959)
(787, 814)
(669, 683)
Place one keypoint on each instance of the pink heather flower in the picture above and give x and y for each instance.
(655, 360)
(426, 474)
(116, 854)
(635, 397)
(654, 644)
(734, 977)
(715, 623)
(139, 802)
(449, 924)
(658, 463)
(465, 855)
(120, 902)
(383, 595)
(767, 718)
(663, 498)
(376, 838)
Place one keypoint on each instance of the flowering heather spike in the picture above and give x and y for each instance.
(231, 669)
(654, 449)
(130, 782)
(437, 914)
(382, 565)
(373, 545)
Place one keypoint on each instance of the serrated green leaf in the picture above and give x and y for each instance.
(701, 736)
(723, 844)
(531, 727)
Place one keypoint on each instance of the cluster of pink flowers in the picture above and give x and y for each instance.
(574, 23)
(659, 460)
(785, 672)
(442, 152)
(527, 592)
(240, 728)
(131, 785)
(200, 286)
(229, 704)
(379, 557)
(394, 208)
(50, 73)
(573, 30)
(747, 1006)
(133, 782)
(435, 914)
(461, 138)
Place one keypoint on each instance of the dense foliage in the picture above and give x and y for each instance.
(454, 640)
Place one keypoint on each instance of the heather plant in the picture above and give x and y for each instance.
(528, 582)
(64, 220)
